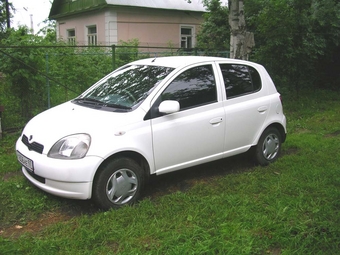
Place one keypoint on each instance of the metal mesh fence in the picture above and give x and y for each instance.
(46, 76)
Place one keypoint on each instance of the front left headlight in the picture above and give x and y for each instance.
(71, 147)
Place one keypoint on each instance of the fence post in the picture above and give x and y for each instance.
(48, 84)
(113, 56)
(0, 130)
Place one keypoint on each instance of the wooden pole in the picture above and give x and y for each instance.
(8, 15)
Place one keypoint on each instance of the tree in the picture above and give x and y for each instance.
(35, 65)
(221, 23)
(241, 41)
(214, 32)
(20, 66)
(297, 40)
(5, 15)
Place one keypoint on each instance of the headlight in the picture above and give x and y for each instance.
(71, 147)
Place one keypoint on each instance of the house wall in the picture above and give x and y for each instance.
(155, 27)
(80, 23)
(152, 27)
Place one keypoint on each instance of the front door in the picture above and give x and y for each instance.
(195, 134)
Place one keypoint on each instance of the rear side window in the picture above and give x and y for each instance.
(194, 87)
(240, 80)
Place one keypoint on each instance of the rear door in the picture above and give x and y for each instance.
(246, 106)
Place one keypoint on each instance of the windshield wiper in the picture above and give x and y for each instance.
(89, 100)
(96, 102)
(119, 106)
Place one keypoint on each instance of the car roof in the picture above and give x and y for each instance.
(178, 61)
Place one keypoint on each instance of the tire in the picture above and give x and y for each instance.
(268, 147)
(118, 183)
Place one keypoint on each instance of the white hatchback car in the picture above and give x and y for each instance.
(152, 116)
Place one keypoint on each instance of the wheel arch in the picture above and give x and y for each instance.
(140, 160)
(279, 127)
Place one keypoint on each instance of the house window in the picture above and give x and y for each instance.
(71, 36)
(187, 37)
(92, 35)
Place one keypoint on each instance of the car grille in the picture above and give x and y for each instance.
(37, 147)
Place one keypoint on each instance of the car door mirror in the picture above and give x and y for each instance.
(169, 106)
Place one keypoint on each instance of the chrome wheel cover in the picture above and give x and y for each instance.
(270, 146)
(122, 186)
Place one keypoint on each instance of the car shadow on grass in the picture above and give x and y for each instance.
(160, 185)
(183, 180)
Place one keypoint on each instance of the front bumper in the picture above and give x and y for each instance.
(74, 190)
(64, 178)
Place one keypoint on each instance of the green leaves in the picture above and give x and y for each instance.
(214, 33)
(296, 40)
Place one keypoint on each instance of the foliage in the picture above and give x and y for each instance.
(214, 33)
(21, 67)
(225, 207)
(127, 52)
(3, 16)
(39, 72)
(297, 40)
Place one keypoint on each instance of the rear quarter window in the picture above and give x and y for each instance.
(240, 80)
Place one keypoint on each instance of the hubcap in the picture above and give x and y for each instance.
(121, 186)
(270, 146)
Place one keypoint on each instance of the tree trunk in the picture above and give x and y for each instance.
(8, 15)
(241, 41)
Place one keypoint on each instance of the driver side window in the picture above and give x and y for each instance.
(194, 87)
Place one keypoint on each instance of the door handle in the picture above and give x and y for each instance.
(262, 109)
(216, 121)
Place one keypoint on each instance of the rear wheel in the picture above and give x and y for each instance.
(118, 183)
(268, 148)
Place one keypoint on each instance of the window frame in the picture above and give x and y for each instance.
(71, 39)
(255, 89)
(92, 38)
(185, 36)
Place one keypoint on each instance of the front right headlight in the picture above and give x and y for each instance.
(71, 147)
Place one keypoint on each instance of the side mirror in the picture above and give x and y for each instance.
(169, 106)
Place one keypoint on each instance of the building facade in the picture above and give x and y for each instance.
(154, 23)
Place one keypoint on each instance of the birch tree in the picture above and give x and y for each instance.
(241, 41)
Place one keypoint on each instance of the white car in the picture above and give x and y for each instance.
(152, 116)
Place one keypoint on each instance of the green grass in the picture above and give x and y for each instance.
(231, 207)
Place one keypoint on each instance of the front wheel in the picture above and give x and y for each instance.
(268, 148)
(118, 183)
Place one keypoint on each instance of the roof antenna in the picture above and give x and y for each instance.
(154, 60)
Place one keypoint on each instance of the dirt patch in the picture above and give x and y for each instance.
(36, 226)
(290, 151)
(336, 133)
(7, 176)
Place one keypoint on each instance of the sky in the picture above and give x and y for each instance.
(39, 9)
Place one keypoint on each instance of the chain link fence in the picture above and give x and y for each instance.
(41, 77)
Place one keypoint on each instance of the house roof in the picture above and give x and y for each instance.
(194, 5)
(66, 7)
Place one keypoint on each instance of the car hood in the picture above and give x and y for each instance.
(66, 119)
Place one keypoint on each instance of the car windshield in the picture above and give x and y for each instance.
(125, 89)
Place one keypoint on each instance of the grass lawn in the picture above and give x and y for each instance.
(225, 207)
